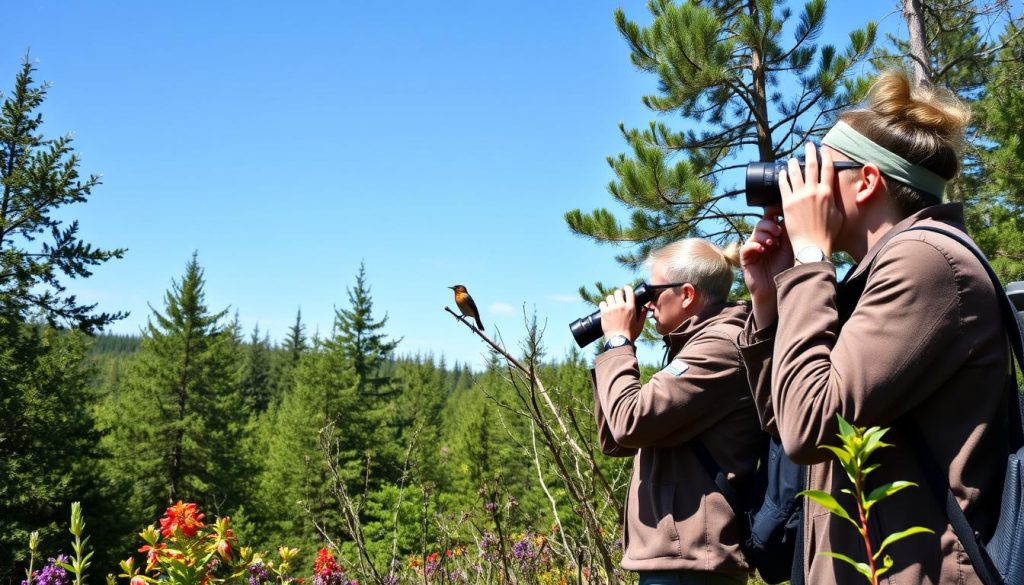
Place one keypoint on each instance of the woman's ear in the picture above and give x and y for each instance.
(869, 183)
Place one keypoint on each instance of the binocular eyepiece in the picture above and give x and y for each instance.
(588, 329)
(762, 184)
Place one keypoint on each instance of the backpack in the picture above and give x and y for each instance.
(767, 508)
(1000, 559)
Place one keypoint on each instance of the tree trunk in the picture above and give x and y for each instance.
(914, 15)
(765, 148)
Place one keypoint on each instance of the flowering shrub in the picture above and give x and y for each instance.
(51, 574)
(186, 551)
(183, 549)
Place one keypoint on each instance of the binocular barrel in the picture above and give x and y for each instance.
(588, 329)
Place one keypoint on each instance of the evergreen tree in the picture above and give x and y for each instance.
(173, 431)
(337, 387)
(38, 252)
(997, 216)
(257, 381)
(359, 338)
(296, 343)
(287, 359)
(961, 52)
(721, 66)
(47, 455)
(47, 439)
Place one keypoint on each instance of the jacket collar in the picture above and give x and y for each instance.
(711, 314)
(950, 214)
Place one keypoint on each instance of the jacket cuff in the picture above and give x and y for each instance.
(750, 336)
(796, 273)
(615, 352)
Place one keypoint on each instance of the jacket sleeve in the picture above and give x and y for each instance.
(604, 434)
(674, 406)
(756, 347)
(901, 326)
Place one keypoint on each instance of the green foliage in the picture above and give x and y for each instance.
(47, 434)
(258, 383)
(359, 339)
(180, 405)
(967, 56)
(856, 447)
(996, 215)
(720, 66)
(38, 252)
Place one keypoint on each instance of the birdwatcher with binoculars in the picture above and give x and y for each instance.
(678, 528)
(911, 338)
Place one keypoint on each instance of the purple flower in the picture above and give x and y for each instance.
(391, 580)
(258, 574)
(455, 575)
(490, 506)
(523, 550)
(51, 574)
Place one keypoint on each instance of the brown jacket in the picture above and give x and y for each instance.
(675, 518)
(925, 338)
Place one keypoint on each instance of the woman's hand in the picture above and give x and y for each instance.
(619, 315)
(764, 255)
(812, 218)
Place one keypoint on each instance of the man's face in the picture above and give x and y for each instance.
(669, 309)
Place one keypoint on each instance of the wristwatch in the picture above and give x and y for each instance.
(617, 341)
(809, 254)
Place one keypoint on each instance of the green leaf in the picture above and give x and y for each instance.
(881, 492)
(862, 568)
(845, 430)
(886, 565)
(825, 500)
(873, 440)
(901, 535)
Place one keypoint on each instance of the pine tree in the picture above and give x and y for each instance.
(38, 252)
(258, 380)
(996, 218)
(296, 343)
(173, 431)
(743, 91)
(358, 337)
(959, 50)
(340, 385)
(47, 455)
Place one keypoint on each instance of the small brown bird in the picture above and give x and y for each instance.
(466, 304)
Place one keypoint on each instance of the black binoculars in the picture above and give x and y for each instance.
(588, 329)
(762, 183)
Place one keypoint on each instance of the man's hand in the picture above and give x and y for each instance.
(619, 315)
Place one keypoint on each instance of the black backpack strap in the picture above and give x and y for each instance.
(937, 478)
(714, 470)
(938, 481)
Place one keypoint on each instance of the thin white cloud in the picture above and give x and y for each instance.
(562, 298)
(501, 308)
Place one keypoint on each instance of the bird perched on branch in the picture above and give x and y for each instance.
(466, 304)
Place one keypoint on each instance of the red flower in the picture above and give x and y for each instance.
(153, 553)
(138, 580)
(432, 558)
(325, 563)
(184, 517)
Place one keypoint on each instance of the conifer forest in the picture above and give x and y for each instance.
(228, 454)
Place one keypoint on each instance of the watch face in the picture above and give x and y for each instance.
(617, 341)
(810, 254)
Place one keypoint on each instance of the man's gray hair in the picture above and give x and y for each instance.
(707, 267)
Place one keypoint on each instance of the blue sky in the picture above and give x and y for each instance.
(439, 143)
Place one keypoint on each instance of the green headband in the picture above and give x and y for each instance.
(862, 149)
